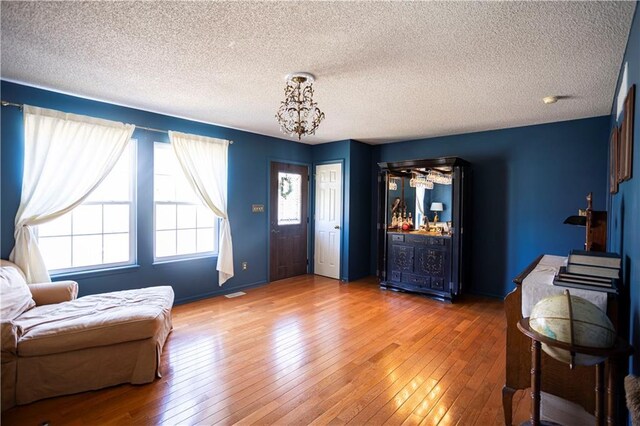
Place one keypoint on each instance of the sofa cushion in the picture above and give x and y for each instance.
(96, 320)
(15, 297)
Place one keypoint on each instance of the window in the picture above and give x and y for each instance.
(289, 202)
(184, 226)
(99, 232)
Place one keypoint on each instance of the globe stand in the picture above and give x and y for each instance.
(620, 348)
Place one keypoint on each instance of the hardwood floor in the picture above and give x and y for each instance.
(309, 350)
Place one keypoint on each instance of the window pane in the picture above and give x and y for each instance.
(165, 243)
(164, 188)
(289, 202)
(165, 216)
(206, 218)
(59, 226)
(205, 240)
(116, 218)
(163, 159)
(56, 252)
(170, 183)
(184, 192)
(186, 217)
(116, 248)
(87, 250)
(87, 219)
(116, 186)
(186, 241)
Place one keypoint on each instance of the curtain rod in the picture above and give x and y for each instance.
(151, 129)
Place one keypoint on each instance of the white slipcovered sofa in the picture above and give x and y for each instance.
(54, 343)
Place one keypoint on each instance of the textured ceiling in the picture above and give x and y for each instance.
(385, 71)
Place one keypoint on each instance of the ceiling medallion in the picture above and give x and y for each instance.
(298, 113)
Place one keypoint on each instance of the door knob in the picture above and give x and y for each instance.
(336, 227)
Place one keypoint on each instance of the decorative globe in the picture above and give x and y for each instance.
(591, 327)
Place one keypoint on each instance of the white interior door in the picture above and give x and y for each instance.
(328, 219)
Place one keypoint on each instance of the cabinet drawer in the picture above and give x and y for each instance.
(437, 283)
(415, 239)
(397, 238)
(421, 239)
(416, 279)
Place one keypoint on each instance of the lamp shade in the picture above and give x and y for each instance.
(436, 207)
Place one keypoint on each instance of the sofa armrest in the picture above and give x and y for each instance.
(57, 292)
(9, 333)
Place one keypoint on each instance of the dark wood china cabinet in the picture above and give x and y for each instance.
(423, 236)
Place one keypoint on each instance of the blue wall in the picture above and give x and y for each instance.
(624, 207)
(249, 158)
(525, 182)
(360, 209)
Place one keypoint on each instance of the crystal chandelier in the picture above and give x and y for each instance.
(427, 181)
(438, 177)
(298, 113)
(419, 181)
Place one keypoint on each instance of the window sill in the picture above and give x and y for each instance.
(96, 272)
(159, 262)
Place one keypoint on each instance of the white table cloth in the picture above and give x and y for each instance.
(539, 284)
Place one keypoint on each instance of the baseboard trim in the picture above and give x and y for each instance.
(220, 292)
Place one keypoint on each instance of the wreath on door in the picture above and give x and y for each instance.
(286, 186)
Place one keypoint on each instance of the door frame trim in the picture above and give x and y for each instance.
(309, 206)
(342, 162)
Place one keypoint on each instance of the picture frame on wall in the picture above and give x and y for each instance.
(614, 148)
(625, 162)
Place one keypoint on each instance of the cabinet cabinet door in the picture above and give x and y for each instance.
(401, 258)
(431, 261)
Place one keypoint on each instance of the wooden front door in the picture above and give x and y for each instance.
(289, 188)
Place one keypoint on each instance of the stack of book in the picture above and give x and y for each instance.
(589, 270)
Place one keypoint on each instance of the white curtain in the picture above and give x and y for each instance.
(204, 162)
(66, 156)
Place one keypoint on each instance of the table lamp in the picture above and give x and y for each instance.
(436, 207)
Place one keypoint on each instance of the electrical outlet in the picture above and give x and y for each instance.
(244, 266)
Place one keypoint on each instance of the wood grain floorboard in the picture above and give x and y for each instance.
(310, 350)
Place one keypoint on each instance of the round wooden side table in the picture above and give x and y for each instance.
(619, 349)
